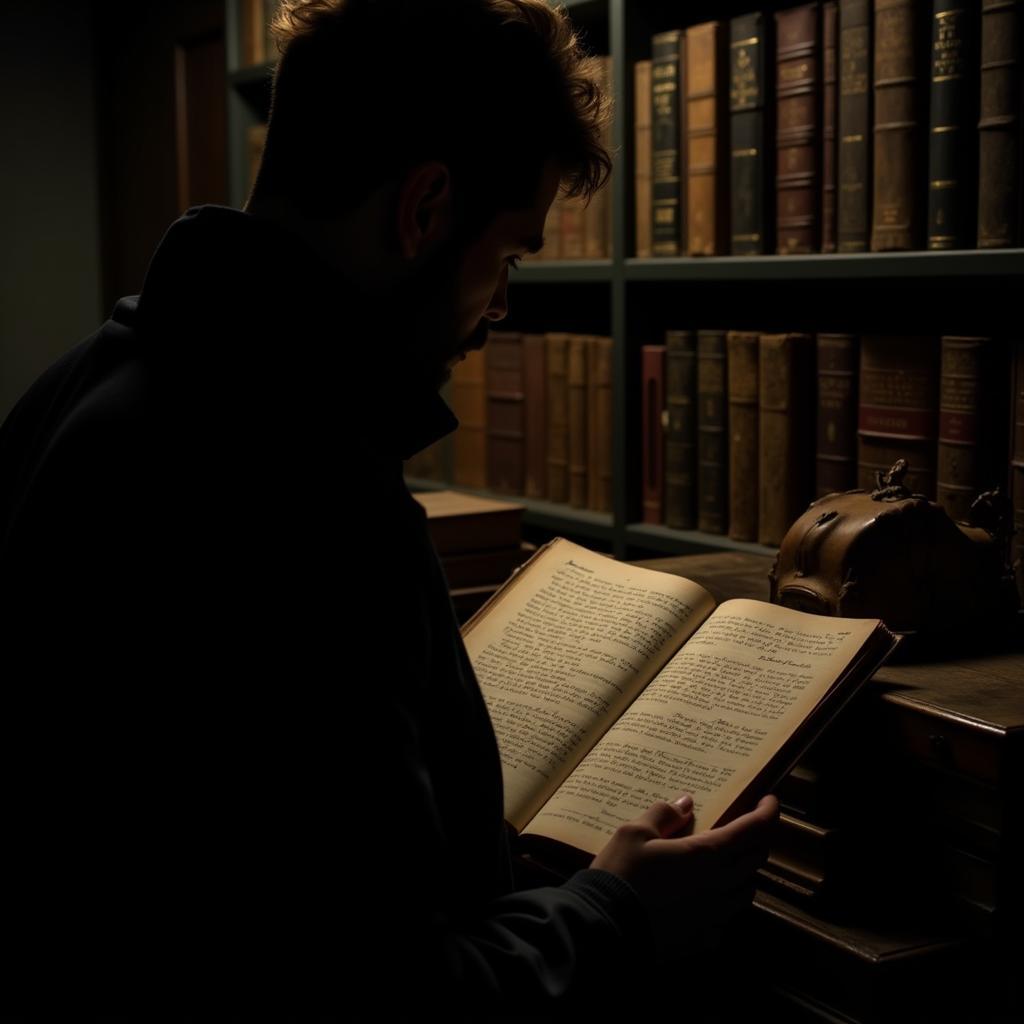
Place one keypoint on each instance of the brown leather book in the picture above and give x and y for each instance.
(898, 411)
(898, 208)
(751, 108)
(506, 419)
(712, 433)
(642, 158)
(668, 143)
(480, 568)
(652, 407)
(536, 375)
(999, 135)
(855, 136)
(597, 216)
(785, 433)
(953, 138)
(798, 134)
(837, 413)
(707, 139)
(558, 416)
(577, 369)
(469, 404)
(829, 119)
(742, 362)
(462, 523)
(681, 436)
(972, 431)
(599, 423)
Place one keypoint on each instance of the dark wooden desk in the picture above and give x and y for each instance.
(912, 803)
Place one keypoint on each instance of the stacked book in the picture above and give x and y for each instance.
(479, 542)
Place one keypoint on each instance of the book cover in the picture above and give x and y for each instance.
(837, 413)
(642, 158)
(855, 122)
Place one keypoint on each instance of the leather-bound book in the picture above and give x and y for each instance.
(999, 126)
(536, 427)
(1017, 464)
(652, 407)
(573, 228)
(558, 416)
(898, 412)
(798, 132)
(577, 367)
(953, 139)
(751, 107)
(506, 413)
(707, 139)
(785, 433)
(642, 158)
(837, 414)
(668, 142)
(681, 440)
(855, 135)
(829, 121)
(898, 209)
(597, 234)
(972, 451)
(742, 362)
(712, 433)
(599, 423)
(469, 404)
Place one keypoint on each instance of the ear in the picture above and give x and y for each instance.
(424, 207)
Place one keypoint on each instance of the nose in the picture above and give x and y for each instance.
(497, 308)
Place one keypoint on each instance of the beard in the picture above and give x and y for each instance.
(433, 343)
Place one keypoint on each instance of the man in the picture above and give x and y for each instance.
(246, 747)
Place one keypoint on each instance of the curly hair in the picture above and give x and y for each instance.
(363, 89)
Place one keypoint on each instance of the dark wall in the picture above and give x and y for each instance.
(50, 273)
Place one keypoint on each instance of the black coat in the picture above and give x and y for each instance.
(243, 742)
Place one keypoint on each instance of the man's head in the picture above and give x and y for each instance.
(419, 143)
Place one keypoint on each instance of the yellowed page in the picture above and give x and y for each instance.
(710, 720)
(577, 638)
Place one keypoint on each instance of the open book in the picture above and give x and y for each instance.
(612, 686)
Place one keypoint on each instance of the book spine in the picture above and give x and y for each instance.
(553, 231)
(999, 126)
(898, 410)
(681, 440)
(558, 416)
(577, 383)
(855, 95)
(749, 214)
(573, 231)
(967, 400)
(535, 369)
(599, 424)
(707, 119)
(953, 138)
(742, 367)
(837, 413)
(642, 155)
(785, 462)
(469, 404)
(829, 117)
(712, 433)
(668, 65)
(597, 237)
(1017, 465)
(897, 214)
(506, 393)
(798, 142)
(652, 406)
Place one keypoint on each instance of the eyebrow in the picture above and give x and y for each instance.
(532, 243)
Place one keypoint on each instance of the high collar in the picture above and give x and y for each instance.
(244, 303)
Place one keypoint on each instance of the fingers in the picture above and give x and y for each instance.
(749, 828)
(668, 819)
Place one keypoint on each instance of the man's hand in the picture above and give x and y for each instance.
(692, 886)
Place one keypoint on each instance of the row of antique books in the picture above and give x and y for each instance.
(741, 430)
(849, 126)
(535, 420)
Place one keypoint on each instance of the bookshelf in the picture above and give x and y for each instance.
(970, 292)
